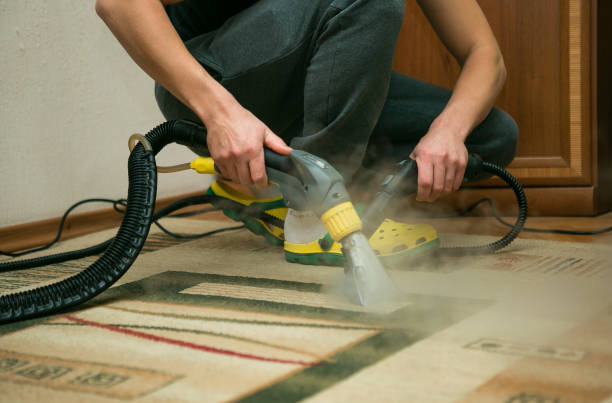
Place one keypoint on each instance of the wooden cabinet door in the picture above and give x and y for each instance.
(547, 49)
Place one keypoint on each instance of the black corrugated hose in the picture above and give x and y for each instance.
(123, 249)
(121, 252)
(522, 207)
(514, 231)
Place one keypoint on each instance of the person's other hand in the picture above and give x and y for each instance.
(441, 160)
(235, 141)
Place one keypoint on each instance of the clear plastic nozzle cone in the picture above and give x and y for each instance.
(365, 271)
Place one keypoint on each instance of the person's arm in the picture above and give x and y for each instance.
(235, 136)
(441, 154)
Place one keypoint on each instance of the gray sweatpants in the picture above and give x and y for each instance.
(318, 73)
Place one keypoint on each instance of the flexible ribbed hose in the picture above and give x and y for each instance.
(512, 234)
(122, 251)
(119, 255)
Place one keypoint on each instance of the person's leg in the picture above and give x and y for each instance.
(347, 80)
(316, 72)
(409, 110)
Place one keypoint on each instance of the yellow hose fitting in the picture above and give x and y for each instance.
(341, 220)
(203, 165)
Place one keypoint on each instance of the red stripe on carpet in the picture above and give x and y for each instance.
(181, 343)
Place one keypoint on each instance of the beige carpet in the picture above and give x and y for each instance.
(225, 318)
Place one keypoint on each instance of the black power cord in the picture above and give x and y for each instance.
(61, 226)
(119, 206)
(14, 265)
(526, 229)
(185, 202)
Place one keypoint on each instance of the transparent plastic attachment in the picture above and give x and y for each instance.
(365, 272)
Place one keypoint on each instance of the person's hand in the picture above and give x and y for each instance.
(235, 141)
(441, 159)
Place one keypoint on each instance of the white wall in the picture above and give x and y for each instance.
(69, 99)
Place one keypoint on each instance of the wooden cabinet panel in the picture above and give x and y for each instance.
(551, 54)
(602, 97)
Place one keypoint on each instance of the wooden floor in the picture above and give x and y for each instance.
(35, 234)
(490, 226)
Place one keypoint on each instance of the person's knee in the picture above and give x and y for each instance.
(495, 139)
(387, 12)
(392, 9)
(507, 134)
(382, 13)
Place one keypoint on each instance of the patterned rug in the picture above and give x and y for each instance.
(225, 318)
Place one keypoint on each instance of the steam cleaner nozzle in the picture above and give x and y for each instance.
(365, 271)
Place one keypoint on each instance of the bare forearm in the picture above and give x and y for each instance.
(482, 78)
(464, 30)
(145, 31)
(235, 137)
